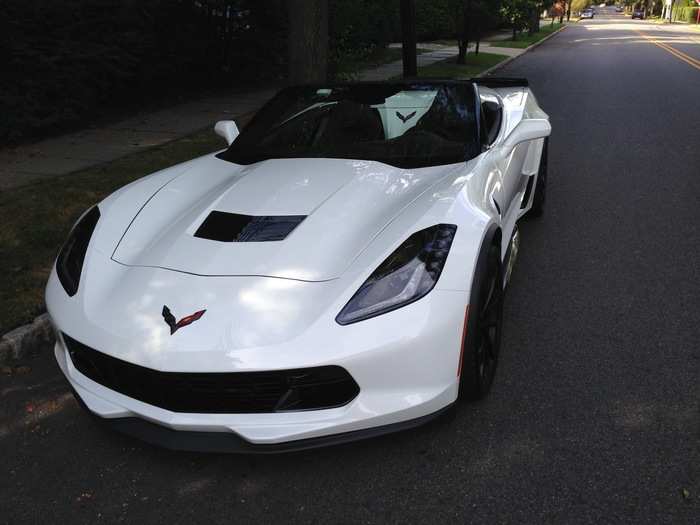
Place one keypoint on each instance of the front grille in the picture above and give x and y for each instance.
(218, 393)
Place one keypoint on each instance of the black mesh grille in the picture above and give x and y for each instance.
(218, 393)
(233, 227)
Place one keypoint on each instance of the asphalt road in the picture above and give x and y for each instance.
(595, 413)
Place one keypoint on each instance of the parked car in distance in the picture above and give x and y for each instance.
(619, 9)
(638, 13)
(587, 13)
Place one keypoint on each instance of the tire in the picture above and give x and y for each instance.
(482, 337)
(538, 199)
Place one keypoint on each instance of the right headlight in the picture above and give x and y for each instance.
(408, 274)
(69, 264)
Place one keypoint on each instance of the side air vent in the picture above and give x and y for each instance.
(528, 190)
(232, 227)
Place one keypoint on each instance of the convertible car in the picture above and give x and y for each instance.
(337, 272)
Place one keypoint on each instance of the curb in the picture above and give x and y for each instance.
(527, 49)
(26, 340)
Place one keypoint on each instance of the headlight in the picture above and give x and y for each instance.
(69, 264)
(405, 276)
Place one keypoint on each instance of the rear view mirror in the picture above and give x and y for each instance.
(227, 129)
(526, 130)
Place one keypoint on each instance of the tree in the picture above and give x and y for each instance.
(484, 13)
(464, 15)
(308, 40)
(516, 13)
(408, 36)
(576, 5)
(557, 10)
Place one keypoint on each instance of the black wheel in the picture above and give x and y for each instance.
(538, 198)
(482, 339)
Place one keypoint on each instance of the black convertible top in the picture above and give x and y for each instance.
(408, 123)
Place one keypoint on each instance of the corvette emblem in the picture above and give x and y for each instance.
(176, 325)
(405, 118)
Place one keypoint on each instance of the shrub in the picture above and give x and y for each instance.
(357, 28)
(66, 62)
(686, 14)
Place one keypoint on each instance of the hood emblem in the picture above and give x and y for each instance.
(176, 325)
(405, 118)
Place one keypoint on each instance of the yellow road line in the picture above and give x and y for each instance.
(671, 49)
(679, 54)
(675, 52)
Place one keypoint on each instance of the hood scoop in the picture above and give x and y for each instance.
(233, 227)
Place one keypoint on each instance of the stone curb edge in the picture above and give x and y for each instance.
(527, 49)
(22, 341)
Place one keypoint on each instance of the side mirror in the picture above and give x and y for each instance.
(526, 130)
(227, 129)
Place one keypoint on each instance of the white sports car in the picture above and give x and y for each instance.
(336, 273)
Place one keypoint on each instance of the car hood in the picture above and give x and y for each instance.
(344, 205)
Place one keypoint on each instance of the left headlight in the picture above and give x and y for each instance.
(408, 274)
(69, 263)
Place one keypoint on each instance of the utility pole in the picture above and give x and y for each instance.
(408, 38)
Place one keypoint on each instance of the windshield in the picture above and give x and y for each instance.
(404, 125)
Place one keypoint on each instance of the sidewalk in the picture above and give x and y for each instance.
(96, 145)
(67, 153)
(394, 69)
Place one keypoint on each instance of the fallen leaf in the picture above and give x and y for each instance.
(686, 493)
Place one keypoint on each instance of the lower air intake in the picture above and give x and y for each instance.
(218, 393)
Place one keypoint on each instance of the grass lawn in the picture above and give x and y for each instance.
(524, 40)
(475, 64)
(36, 219)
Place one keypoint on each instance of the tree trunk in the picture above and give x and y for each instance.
(531, 22)
(462, 54)
(466, 33)
(478, 32)
(408, 36)
(308, 41)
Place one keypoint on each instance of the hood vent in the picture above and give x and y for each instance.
(232, 227)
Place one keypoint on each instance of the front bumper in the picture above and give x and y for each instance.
(404, 362)
(229, 442)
